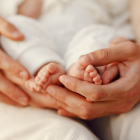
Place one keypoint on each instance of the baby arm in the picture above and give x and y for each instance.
(135, 18)
(30, 8)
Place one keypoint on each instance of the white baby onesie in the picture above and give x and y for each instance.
(77, 27)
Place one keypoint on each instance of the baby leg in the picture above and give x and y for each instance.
(88, 40)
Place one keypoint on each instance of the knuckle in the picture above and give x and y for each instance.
(131, 47)
(132, 94)
(11, 92)
(59, 103)
(96, 95)
(62, 98)
(9, 26)
(71, 86)
(103, 54)
(125, 108)
(85, 117)
(14, 68)
(85, 111)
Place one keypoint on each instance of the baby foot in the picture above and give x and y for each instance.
(48, 75)
(83, 70)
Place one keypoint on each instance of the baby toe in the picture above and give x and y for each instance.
(90, 68)
(98, 83)
(37, 87)
(52, 68)
(85, 60)
(44, 79)
(93, 74)
(97, 78)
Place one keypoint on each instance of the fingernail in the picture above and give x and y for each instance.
(38, 88)
(23, 75)
(23, 100)
(50, 91)
(62, 79)
(30, 85)
(81, 56)
(62, 113)
(87, 57)
(17, 34)
(90, 57)
(107, 81)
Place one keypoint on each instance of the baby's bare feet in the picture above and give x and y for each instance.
(83, 70)
(48, 75)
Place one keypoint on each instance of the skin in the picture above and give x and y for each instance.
(9, 93)
(114, 98)
(37, 99)
(30, 8)
(11, 76)
(118, 97)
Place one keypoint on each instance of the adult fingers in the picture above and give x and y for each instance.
(64, 96)
(7, 100)
(13, 92)
(117, 40)
(7, 64)
(10, 31)
(110, 73)
(38, 100)
(28, 84)
(120, 52)
(66, 99)
(65, 113)
(43, 100)
(113, 91)
(80, 107)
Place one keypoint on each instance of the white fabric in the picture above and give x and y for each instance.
(36, 50)
(71, 35)
(72, 24)
(119, 127)
(66, 19)
(39, 124)
(88, 40)
(126, 126)
(9, 7)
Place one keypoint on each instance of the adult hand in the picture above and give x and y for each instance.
(10, 31)
(9, 93)
(115, 98)
(36, 99)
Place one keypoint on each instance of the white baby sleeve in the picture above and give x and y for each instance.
(36, 50)
(9, 7)
(89, 39)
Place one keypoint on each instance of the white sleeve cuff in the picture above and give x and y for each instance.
(88, 40)
(9, 7)
(35, 57)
